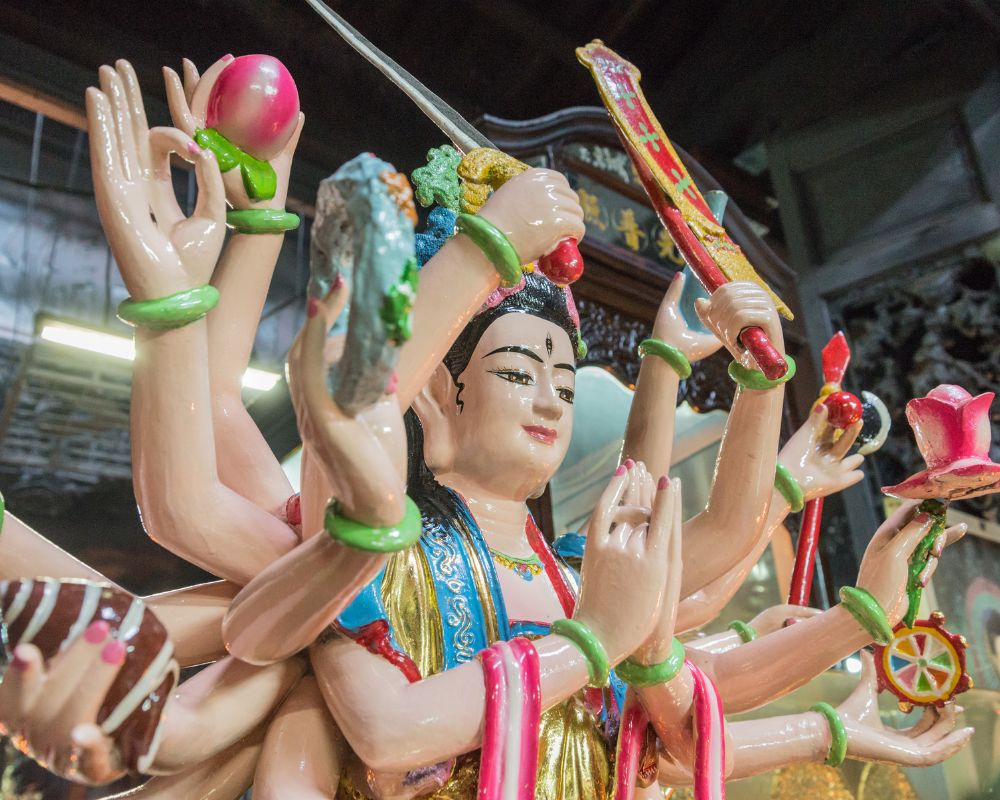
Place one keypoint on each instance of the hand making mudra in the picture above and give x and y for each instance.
(403, 629)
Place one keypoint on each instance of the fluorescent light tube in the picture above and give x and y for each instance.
(109, 344)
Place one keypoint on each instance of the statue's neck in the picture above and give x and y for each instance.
(501, 519)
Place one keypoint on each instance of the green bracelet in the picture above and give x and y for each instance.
(173, 311)
(788, 487)
(838, 734)
(583, 637)
(673, 356)
(868, 612)
(747, 633)
(262, 220)
(642, 675)
(754, 379)
(389, 539)
(495, 246)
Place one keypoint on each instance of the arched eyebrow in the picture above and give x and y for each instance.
(570, 367)
(513, 348)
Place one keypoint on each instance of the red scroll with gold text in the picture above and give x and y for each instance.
(714, 258)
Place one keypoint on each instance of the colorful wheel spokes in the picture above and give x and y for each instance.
(922, 664)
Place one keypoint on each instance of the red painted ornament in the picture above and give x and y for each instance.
(836, 356)
(564, 265)
(845, 409)
(923, 665)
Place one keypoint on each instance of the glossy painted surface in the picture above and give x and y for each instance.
(953, 433)
(382, 699)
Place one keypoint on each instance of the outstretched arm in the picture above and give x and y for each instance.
(761, 745)
(792, 656)
(821, 467)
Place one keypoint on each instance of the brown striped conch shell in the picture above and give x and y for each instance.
(51, 614)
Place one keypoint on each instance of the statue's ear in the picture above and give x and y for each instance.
(434, 405)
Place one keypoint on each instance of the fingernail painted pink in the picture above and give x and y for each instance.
(193, 148)
(629, 463)
(620, 471)
(312, 308)
(393, 383)
(97, 632)
(338, 281)
(114, 653)
(18, 662)
(662, 483)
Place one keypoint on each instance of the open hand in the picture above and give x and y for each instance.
(158, 250)
(817, 460)
(930, 741)
(671, 327)
(625, 564)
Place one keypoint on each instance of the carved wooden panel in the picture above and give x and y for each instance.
(918, 327)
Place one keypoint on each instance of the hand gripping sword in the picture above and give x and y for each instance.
(565, 259)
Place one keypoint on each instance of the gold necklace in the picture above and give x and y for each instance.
(524, 568)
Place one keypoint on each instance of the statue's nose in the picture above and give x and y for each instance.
(547, 403)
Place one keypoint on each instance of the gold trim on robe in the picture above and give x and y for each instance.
(574, 760)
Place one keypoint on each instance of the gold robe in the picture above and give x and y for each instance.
(574, 758)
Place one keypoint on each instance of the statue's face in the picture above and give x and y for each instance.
(512, 423)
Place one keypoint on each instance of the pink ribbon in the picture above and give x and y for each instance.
(509, 757)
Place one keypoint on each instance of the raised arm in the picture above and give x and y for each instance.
(242, 276)
(184, 504)
(649, 433)
(363, 457)
(722, 535)
(535, 210)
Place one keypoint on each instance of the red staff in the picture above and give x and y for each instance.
(844, 410)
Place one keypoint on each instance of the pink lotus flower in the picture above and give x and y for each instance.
(952, 429)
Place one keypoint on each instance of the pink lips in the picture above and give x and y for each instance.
(540, 432)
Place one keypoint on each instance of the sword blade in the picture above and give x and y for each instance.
(452, 124)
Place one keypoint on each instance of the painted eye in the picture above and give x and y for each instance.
(567, 395)
(514, 376)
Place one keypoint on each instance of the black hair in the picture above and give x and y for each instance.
(539, 297)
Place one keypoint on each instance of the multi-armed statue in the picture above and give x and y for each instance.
(402, 629)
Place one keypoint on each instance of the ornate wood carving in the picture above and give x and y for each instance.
(919, 327)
